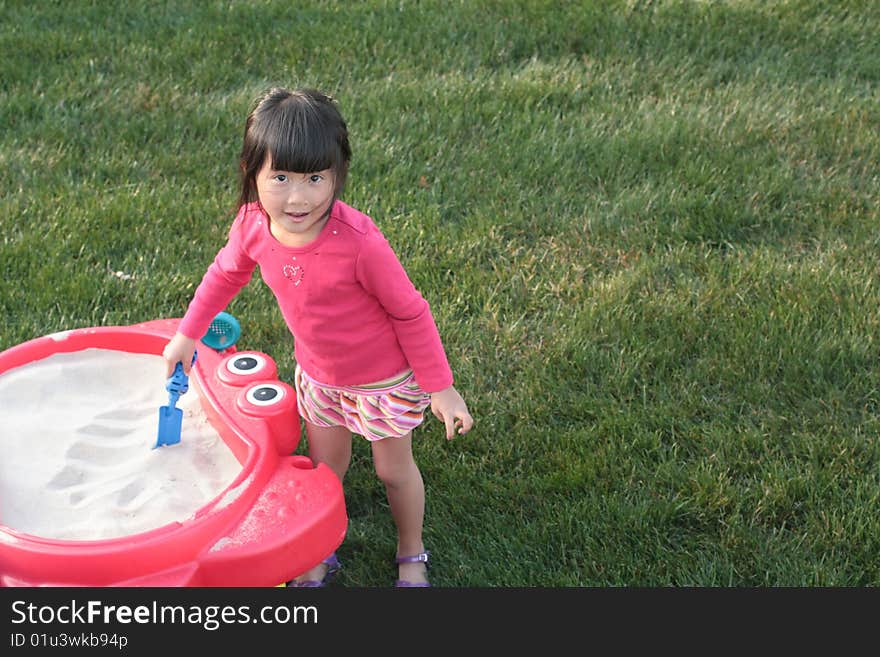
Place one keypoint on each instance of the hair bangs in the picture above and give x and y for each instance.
(297, 140)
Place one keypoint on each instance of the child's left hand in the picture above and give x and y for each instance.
(449, 407)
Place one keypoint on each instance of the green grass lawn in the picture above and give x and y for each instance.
(648, 232)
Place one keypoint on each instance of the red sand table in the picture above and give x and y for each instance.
(278, 518)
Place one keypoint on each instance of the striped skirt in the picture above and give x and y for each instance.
(385, 409)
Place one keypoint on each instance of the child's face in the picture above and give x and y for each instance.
(296, 203)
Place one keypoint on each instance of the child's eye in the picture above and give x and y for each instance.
(315, 178)
(280, 177)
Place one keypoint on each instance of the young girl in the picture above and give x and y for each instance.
(369, 359)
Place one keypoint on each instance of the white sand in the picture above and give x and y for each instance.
(77, 462)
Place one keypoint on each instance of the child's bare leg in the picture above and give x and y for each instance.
(332, 446)
(397, 469)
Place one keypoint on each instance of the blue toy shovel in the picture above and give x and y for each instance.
(171, 417)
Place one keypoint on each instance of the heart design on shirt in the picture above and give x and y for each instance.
(294, 273)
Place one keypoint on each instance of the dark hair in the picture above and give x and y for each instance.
(302, 130)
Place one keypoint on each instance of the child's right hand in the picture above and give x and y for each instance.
(179, 349)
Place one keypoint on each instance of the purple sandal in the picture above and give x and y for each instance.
(333, 566)
(404, 583)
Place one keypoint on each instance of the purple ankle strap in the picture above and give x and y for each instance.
(421, 557)
(333, 566)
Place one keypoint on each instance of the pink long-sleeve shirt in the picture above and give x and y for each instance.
(355, 316)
